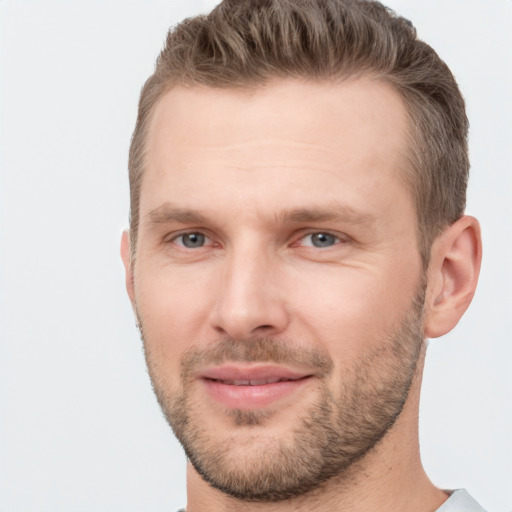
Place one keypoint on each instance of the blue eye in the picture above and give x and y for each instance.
(191, 240)
(320, 240)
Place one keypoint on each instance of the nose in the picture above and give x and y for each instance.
(250, 299)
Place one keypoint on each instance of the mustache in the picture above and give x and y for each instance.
(256, 350)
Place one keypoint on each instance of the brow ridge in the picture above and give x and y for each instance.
(168, 213)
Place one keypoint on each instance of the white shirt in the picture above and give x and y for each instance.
(460, 501)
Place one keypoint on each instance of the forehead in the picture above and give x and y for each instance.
(286, 141)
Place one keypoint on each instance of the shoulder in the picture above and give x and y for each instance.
(460, 501)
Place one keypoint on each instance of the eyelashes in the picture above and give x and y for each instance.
(317, 239)
(320, 239)
(193, 240)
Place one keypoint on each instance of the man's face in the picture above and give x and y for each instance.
(277, 278)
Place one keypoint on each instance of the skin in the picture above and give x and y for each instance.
(258, 173)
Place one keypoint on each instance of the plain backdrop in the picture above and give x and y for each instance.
(80, 430)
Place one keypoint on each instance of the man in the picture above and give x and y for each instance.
(298, 174)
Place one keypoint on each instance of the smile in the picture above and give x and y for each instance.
(254, 382)
(252, 387)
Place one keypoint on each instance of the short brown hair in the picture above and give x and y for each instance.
(246, 43)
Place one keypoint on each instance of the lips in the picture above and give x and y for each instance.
(253, 382)
(252, 387)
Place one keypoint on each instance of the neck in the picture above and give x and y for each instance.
(390, 478)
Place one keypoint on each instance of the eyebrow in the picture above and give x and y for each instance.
(332, 212)
(168, 213)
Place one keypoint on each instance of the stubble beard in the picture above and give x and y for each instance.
(329, 438)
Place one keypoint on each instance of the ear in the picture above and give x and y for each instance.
(453, 272)
(128, 267)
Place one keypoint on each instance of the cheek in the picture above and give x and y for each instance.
(171, 297)
(171, 310)
(353, 311)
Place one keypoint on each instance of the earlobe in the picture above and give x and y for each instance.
(126, 257)
(453, 275)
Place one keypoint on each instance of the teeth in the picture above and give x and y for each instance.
(267, 381)
(258, 382)
(253, 382)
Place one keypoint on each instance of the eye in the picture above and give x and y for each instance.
(320, 240)
(192, 240)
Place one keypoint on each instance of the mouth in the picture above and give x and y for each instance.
(252, 387)
(253, 382)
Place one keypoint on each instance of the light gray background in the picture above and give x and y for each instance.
(79, 427)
